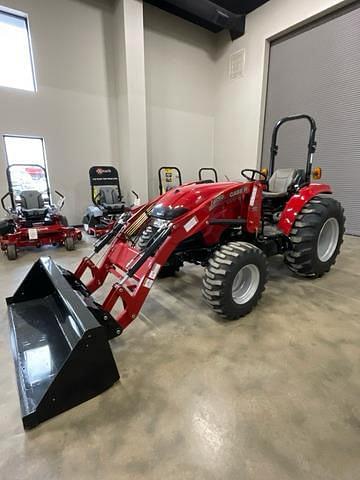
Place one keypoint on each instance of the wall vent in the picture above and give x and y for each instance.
(237, 64)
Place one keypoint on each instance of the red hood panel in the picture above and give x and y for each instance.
(191, 195)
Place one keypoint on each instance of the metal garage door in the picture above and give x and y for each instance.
(317, 71)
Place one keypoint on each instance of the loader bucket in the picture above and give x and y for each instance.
(61, 353)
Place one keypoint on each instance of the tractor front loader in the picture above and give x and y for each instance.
(60, 334)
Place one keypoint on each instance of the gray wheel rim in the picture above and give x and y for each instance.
(245, 284)
(328, 239)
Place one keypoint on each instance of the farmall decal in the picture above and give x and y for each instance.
(214, 203)
(232, 197)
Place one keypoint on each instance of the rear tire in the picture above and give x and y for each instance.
(69, 244)
(316, 237)
(235, 279)
(11, 252)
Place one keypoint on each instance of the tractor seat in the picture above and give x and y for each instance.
(110, 200)
(282, 180)
(32, 205)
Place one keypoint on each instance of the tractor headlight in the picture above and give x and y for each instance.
(165, 212)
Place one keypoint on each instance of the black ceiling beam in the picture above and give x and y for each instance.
(205, 13)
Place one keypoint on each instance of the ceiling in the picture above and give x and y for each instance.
(214, 15)
(240, 6)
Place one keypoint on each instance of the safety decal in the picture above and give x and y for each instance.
(253, 196)
(154, 271)
(191, 224)
(148, 283)
(33, 234)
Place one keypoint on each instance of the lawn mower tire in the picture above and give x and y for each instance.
(69, 244)
(11, 252)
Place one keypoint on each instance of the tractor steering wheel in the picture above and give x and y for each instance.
(253, 173)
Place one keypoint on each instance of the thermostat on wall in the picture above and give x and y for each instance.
(237, 64)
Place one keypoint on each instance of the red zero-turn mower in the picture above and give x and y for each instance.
(107, 205)
(33, 221)
(60, 334)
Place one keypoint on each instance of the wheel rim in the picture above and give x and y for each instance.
(328, 239)
(245, 284)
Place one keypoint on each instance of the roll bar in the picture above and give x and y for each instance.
(311, 146)
(208, 169)
(160, 179)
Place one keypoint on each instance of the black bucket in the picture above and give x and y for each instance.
(61, 352)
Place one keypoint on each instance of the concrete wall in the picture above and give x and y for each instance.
(74, 108)
(240, 102)
(180, 88)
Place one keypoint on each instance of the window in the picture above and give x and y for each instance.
(16, 64)
(27, 155)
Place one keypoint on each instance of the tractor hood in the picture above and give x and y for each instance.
(180, 200)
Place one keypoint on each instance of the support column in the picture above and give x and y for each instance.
(131, 97)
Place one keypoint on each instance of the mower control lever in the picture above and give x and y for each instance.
(62, 199)
(3, 202)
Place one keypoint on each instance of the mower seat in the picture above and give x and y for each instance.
(281, 182)
(32, 205)
(110, 201)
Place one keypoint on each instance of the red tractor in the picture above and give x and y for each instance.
(230, 228)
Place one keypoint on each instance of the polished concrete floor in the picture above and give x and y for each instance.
(274, 396)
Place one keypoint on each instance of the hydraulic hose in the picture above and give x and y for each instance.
(158, 240)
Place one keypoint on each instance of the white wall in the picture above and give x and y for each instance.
(74, 108)
(240, 102)
(180, 88)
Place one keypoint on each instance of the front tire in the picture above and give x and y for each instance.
(69, 244)
(235, 279)
(316, 237)
(11, 252)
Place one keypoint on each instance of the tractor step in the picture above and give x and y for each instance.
(61, 352)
